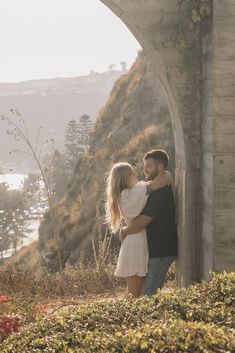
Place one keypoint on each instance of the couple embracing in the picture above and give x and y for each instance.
(149, 237)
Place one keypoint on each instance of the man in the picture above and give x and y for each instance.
(158, 217)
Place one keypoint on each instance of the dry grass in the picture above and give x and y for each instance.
(73, 281)
(83, 281)
(28, 256)
(122, 87)
(74, 213)
(143, 138)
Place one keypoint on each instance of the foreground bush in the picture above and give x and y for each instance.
(158, 336)
(197, 319)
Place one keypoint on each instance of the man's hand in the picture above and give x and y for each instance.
(168, 178)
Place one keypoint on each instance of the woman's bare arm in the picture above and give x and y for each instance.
(159, 182)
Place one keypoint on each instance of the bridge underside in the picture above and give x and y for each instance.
(193, 68)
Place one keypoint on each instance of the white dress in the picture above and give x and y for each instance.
(133, 256)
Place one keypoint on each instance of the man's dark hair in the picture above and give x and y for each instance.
(159, 155)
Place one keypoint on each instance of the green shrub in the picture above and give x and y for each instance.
(158, 336)
(174, 336)
(196, 319)
(212, 301)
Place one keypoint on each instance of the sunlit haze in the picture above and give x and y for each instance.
(60, 38)
(14, 181)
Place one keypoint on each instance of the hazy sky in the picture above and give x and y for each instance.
(60, 38)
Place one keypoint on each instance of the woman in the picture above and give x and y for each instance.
(126, 198)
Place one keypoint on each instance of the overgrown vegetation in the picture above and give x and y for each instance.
(86, 278)
(72, 281)
(199, 9)
(17, 127)
(197, 319)
(13, 206)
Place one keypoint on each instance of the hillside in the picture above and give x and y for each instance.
(50, 103)
(132, 122)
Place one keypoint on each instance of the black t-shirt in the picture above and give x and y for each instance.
(162, 231)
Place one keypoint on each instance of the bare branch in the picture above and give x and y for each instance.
(37, 139)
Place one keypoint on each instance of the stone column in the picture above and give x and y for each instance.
(218, 236)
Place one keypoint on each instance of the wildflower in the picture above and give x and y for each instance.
(40, 307)
(3, 299)
(8, 325)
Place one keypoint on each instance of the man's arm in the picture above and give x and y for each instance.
(152, 210)
(137, 225)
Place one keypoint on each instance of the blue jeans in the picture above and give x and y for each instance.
(157, 271)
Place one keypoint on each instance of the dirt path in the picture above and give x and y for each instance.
(66, 302)
(54, 305)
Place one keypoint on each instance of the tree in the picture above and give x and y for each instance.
(112, 67)
(59, 173)
(123, 65)
(31, 183)
(85, 126)
(71, 145)
(13, 205)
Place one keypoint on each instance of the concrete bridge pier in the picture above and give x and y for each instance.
(186, 69)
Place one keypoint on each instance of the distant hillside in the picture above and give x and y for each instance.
(50, 103)
(132, 122)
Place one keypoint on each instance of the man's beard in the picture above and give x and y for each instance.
(151, 176)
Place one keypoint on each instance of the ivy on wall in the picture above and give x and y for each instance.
(200, 9)
(183, 30)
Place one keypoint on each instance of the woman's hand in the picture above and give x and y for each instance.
(122, 235)
(160, 182)
(168, 178)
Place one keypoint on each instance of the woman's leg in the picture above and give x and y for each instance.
(135, 285)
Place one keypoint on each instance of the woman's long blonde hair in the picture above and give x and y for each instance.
(117, 180)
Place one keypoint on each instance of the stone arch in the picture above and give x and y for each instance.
(160, 75)
(143, 20)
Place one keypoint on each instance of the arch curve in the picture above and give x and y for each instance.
(117, 10)
(159, 70)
